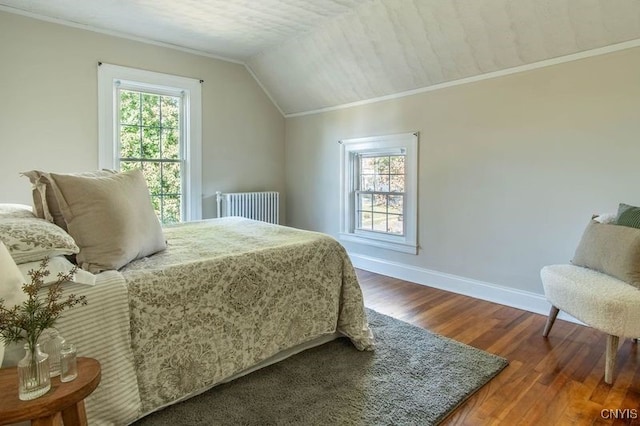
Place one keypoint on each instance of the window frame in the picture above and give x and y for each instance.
(114, 77)
(349, 174)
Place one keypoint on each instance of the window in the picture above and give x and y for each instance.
(152, 122)
(379, 191)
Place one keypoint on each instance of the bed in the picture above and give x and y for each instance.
(225, 296)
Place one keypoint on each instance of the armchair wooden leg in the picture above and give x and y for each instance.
(553, 314)
(610, 361)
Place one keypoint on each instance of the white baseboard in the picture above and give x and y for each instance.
(514, 298)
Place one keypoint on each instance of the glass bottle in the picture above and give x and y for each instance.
(51, 345)
(68, 363)
(33, 374)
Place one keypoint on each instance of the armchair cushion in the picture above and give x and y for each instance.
(597, 299)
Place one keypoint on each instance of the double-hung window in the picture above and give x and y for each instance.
(379, 191)
(151, 121)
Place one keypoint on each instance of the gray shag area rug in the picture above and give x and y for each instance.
(414, 377)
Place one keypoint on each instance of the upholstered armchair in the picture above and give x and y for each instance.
(601, 287)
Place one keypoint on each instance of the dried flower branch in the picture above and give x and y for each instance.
(28, 320)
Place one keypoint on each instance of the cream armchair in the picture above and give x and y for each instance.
(601, 287)
(597, 299)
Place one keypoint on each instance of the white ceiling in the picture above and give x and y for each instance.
(313, 54)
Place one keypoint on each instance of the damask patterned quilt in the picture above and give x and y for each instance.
(229, 293)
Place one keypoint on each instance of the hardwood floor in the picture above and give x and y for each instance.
(550, 381)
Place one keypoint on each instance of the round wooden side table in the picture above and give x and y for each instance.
(64, 400)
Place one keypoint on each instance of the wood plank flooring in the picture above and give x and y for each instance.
(550, 381)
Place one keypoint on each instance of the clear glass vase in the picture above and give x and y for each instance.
(51, 342)
(33, 374)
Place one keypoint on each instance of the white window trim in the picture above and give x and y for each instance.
(108, 77)
(408, 243)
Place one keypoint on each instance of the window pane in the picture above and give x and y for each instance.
(171, 178)
(366, 183)
(170, 111)
(150, 110)
(397, 165)
(365, 220)
(150, 142)
(397, 183)
(151, 173)
(170, 144)
(129, 107)
(396, 225)
(380, 203)
(381, 183)
(382, 165)
(380, 222)
(130, 141)
(365, 201)
(396, 204)
(367, 165)
(171, 207)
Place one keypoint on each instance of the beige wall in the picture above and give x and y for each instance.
(48, 117)
(511, 168)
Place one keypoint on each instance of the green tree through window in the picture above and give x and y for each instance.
(149, 132)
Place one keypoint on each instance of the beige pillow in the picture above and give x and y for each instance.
(38, 192)
(45, 203)
(611, 249)
(110, 218)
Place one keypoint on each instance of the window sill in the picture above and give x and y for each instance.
(385, 244)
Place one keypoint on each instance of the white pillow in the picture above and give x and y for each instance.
(606, 218)
(11, 281)
(15, 210)
(57, 264)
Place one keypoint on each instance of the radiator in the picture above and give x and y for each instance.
(262, 206)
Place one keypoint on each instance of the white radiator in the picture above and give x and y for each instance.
(262, 206)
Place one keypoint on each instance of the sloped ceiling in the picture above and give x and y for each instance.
(314, 54)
